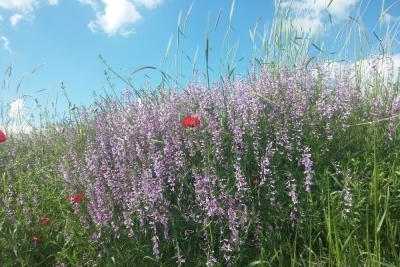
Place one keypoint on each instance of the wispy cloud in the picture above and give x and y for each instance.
(309, 15)
(24, 9)
(14, 19)
(149, 3)
(53, 2)
(117, 16)
(388, 19)
(24, 6)
(6, 43)
(91, 3)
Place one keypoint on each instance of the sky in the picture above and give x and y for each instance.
(47, 43)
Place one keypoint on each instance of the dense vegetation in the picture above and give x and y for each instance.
(287, 165)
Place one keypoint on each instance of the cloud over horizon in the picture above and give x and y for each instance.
(16, 115)
(17, 109)
(308, 16)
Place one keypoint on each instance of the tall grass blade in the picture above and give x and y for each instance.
(256, 26)
(9, 69)
(177, 29)
(308, 61)
(207, 66)
(142, 68)
(168, 47)
(318, 48)
(216, 22)
(232, 8)
(387, 9)
(19, 84)
(195, 59)
(37, 67)
(187, 16)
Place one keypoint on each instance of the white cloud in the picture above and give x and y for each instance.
(125, 33)
(23, 9)
(387, 18)
(16, 129)
(381, 66)
(16, 109)
(117, 15)
(14, 19)
(340, 9)
(149, 3)
(91, 3)
(6, 44)
(24, 6)
(396, 66)
(309, 15)
(18, 121)
(384, 68)
(15, 114)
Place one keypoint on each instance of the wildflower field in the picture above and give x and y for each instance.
(294, 163)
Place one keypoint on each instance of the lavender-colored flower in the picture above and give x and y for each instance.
(307, 163)
(347, 196)
(227, 249)
(156, 253)
(211, 261)
(293, 194)
(137, 165)
(11, 215)
(293, 217)
(179, 258)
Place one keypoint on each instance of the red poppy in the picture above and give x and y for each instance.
(3, 137)
(104, 168)
(76, 198)
(37, 239)
(190, 121)
(45, 221)
(255, 181)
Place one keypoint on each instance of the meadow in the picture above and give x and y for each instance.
(294, 163)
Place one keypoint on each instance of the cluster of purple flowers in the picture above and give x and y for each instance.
(225, 159)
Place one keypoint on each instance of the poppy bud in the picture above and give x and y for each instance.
(255, 181)
(37, 239)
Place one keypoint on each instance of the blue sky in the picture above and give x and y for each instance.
(68, 36)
